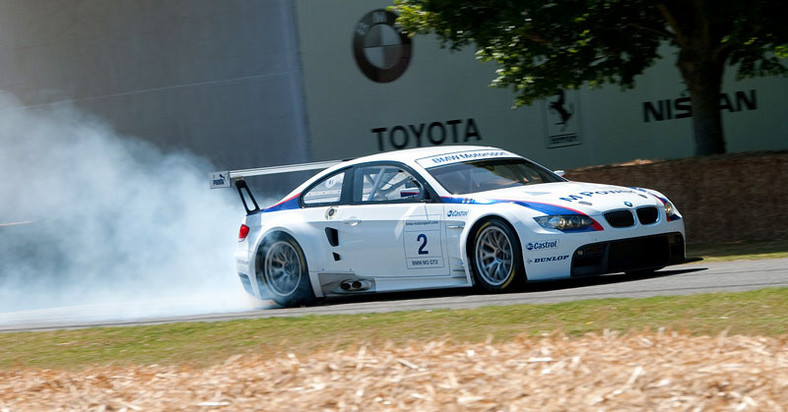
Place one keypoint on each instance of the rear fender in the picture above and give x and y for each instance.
(307, 237)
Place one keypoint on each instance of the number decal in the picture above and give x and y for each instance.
(422, 243)
(423, 239)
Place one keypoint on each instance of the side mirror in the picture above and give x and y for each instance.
(560, 173)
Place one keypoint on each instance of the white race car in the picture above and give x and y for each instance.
(440, 217)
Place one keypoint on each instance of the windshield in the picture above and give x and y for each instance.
(484, 175)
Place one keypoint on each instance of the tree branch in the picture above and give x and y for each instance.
(721, 53)
(681, 38)
(663, 33)
(703, 22)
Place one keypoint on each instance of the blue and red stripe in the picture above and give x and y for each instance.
(287, 204)
(546, 208)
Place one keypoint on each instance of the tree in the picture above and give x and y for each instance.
(543, 46)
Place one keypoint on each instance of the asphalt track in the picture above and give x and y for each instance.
(693, 278)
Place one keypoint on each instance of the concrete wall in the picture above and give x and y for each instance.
(251, 83)
(219, 78)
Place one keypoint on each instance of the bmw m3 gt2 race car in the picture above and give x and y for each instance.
(440, 217)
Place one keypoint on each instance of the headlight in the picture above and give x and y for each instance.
(565, 222)
(669, 209)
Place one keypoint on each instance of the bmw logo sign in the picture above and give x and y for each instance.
(381, 49)
(628, 204)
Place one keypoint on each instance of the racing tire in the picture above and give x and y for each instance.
(283, 271)
(496, 257)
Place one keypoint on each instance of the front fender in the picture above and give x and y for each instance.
(662, 198)
(518, 217)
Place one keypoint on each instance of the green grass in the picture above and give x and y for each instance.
(721, 252)
(762, 312)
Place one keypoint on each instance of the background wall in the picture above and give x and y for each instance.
(249, 83)
(347, 110)
(727, 198)
(221, 79)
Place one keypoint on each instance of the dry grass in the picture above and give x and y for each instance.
(638, 371)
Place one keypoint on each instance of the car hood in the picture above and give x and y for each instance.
(588, 198)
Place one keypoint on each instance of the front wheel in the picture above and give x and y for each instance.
(284, 272)
(496, 258)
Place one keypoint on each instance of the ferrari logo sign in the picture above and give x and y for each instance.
(561, 115)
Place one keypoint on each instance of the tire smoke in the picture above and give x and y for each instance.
(109, 223)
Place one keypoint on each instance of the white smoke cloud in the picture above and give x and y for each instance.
(115, 221)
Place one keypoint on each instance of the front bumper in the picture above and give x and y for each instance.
(631, 254)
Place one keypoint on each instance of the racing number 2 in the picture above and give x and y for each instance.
(423, 239)
(423, 245)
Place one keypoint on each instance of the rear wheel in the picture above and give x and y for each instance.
(496, 257)
(283, 271)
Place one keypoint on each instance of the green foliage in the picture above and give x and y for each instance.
(544, 46)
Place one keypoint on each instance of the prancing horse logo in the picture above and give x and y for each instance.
(558, 107)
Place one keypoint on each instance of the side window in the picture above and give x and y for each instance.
(329, 190)
(386, 184)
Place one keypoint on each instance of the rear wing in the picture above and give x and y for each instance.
(226, 179)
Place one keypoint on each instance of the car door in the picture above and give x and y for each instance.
(392, 226)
